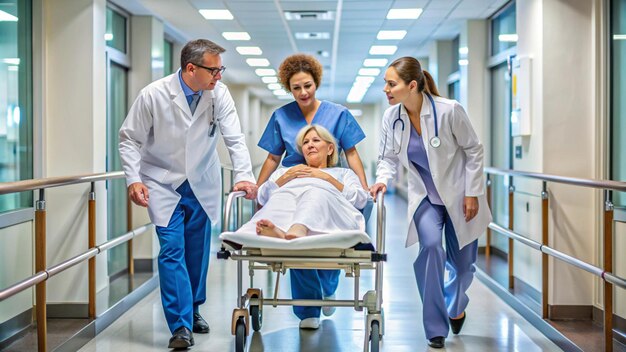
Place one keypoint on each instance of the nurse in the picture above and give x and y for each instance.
(301, 75)
(433, 138)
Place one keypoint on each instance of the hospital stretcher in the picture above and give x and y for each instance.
(350, 251)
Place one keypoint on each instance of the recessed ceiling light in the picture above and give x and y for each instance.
(390, 35)
(258, 62)
(236, 35)
(375, 62)
(213, 14)
(265, 72)
(369, 72)
(364, 81)
(309, 15)
(249, 50)
(269, 79)
(279, 92)
(463, 62)
(507, 37)
(383, 49)
(312, 35)
(5, 16)
(619, 36)
(108, 37)
(356, 112)
(356, 94)
(463, 50)
(11, 61)
(274, 86)
(285, 97)
(403, 14)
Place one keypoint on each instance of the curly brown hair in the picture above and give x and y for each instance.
(299, 63)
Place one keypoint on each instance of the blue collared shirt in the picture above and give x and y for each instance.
(188, 91)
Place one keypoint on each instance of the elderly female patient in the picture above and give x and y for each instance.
(308, 200)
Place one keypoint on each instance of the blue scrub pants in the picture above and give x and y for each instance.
(184, 260)
(441, 300)
(312, 284)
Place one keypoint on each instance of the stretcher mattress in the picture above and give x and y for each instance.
(341, 239)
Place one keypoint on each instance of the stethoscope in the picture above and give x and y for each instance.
(434, 142)
(213, 122)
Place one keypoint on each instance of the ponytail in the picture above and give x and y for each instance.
(430, 87)
(409, 69)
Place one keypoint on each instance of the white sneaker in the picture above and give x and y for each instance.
(328, 310)
(310, 323)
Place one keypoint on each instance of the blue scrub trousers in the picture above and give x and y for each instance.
(184, 260)
(312, 284)
(441, 300)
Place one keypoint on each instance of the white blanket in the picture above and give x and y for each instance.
(341, 239)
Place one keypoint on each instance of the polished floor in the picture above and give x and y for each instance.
(491, 324)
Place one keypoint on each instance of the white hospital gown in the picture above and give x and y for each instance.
(312, 202)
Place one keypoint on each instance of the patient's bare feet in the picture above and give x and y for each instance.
(296, 231)
(265, 227)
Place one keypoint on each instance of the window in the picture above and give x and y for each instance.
(168, 52)
(503, 30)
(118, 64)
(618, 96)
(16, 127)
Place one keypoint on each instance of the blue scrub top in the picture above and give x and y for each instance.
(285, 123)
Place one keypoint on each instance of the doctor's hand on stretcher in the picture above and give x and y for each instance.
(379, 187)
(138, 193)
(470, 208)
(248, 187)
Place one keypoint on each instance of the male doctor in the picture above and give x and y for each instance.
(167, 146)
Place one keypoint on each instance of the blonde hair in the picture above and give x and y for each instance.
(325, 135)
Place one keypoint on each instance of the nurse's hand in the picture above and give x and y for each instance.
(379, 187)
(470, 208)
(248, 187)
(138, 193)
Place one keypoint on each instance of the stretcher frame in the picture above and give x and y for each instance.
(352, 261)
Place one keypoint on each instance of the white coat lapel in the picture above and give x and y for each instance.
(178, 96)
(203, 104)
(406, 136)
(425, 120)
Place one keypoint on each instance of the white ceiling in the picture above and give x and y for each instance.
(352, 31)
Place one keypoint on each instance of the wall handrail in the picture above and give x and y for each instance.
(577, 181)
(58, 268)
(41, 183)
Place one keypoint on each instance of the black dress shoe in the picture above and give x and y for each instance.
(436, 342)
(181, 339)
(199, 324)
(457, 324)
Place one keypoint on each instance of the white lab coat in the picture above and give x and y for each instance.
(456, 166)
(162, 145)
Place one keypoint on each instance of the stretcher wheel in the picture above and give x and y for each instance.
(240, 335)
(256, 313)
(375, 337)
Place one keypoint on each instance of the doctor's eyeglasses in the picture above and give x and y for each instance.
(213, 70)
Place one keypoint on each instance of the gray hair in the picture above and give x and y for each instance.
(194, 51)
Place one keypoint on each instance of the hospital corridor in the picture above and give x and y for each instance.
(312, 175)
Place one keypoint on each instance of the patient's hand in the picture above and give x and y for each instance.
(317, 173)
(292, 173)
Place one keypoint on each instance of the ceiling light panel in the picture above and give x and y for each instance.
(404, 14)
(249, 50)
(369, 72)
(215, 14)
(269, 79)
(258, 62)
(309, 15)
(383, 49)
(375, 62)
(236, 35)
(274, 86)
(312, 35)
(265, 72)
(5, 16)
(391, 35)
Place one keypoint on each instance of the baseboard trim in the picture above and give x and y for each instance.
(543, 326)
(14, 328)
(148, 265)
(67, 310)
(570, 312)
(105, 319)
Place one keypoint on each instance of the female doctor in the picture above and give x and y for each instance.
(433, 138)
